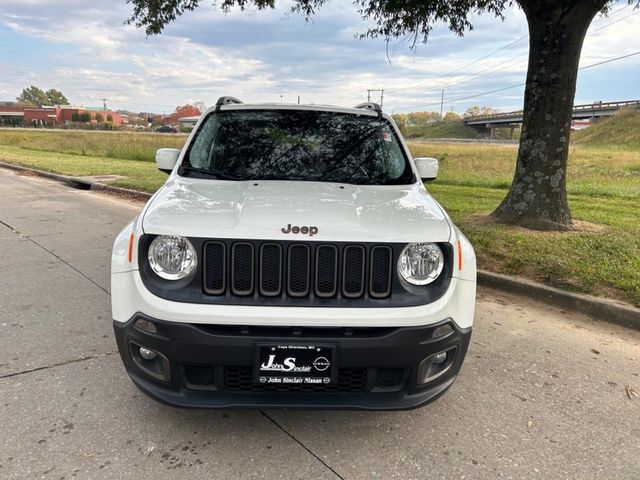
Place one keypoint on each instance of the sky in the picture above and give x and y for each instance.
(84, 49)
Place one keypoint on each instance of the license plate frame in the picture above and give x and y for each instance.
(295, 364)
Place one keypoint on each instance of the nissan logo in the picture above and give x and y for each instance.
(321, 364)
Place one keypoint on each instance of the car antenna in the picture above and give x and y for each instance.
(371, 106)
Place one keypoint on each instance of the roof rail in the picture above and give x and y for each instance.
(371, 106)
(226, 101)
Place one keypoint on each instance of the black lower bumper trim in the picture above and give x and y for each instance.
(208, 366)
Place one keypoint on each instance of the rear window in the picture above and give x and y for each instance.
(297, 145)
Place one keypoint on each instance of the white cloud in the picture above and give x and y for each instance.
(262, 55)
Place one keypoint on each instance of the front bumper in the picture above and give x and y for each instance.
(210, 366)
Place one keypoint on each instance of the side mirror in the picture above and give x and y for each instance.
(427, 168)
(166, 159)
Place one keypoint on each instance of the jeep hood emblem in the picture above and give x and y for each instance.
(295, 229)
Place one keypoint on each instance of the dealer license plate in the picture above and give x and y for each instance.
(295, 364)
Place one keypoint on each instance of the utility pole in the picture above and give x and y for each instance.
(370, 90)
(298, 99)
(104, 104)
(442, 104)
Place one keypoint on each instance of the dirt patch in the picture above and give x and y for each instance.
(578, 226)
(129, 197)
(25, 173)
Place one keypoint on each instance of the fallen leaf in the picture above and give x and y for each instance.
(631, 391)
(597, 352)
(530, 424)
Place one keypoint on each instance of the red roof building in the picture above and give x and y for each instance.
(53, 116)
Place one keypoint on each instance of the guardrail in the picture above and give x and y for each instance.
(590, 107)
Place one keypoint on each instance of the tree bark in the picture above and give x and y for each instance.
(537, 198)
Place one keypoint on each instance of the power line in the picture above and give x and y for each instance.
(615, 21)
(460, 99)
(493, 69)
(504, 47)
(486, 56)
(610, 60)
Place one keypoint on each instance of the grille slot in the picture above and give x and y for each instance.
(242, 268)
(326, 283)
(299, 265)
(353, 271)
(214, 268)
(380, 272)
(199, 375)
(270, 269)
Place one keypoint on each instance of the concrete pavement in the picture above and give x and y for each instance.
(541, 395)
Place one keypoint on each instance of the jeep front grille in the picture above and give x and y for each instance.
(305, 273)
(297, 270)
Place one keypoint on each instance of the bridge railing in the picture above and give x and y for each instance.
(591, 107)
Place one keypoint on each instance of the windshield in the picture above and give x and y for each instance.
(297, 145)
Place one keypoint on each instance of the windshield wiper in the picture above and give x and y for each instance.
(209, 173)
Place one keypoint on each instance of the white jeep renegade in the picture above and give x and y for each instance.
(293, 258)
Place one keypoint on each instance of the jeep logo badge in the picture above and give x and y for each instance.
(295, 229)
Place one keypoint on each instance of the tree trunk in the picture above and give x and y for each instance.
(538, 198)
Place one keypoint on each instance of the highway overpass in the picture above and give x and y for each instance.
(484, 123)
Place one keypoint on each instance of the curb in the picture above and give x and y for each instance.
(598, 308)
(79, 183)
(120, 190)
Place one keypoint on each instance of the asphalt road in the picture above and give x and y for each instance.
(541, 395)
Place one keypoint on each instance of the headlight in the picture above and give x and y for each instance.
(420, 263)
(172, 258)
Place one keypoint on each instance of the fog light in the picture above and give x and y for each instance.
(148, 354)
(438, 358)
(151, 362)
(436, 365)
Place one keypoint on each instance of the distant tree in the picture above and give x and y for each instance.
(56, 97)
(401, 120)
(477, 110)
(85, 117)
(75, 117)
(110, 118)
(422, 118)
(33, 96)
(452, 117)
(182, 111)
(200, 106)
(99, 117)
(138, 120)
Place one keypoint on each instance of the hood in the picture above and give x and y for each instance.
(271, 210)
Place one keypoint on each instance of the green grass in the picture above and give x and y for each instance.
(122, 145)
(622, 131)
(440, 130)
(604, 192)
(604, 172)
(140, 175)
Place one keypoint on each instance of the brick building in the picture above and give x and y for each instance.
(53, 116)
